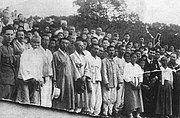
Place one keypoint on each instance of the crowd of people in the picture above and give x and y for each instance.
(87, 71)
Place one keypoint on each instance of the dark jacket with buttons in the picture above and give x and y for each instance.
(7, 65)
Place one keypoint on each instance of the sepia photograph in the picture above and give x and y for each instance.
(89, 58)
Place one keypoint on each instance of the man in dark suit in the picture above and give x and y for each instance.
(150, 82)
(7, 62)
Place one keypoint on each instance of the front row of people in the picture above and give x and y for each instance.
(87, 83)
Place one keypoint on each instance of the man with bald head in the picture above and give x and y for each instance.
(31, 68)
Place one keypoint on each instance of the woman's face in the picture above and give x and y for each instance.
(142, 64)
(134, 58)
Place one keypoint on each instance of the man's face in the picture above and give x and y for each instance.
(72, 29)
(164, 61)
(8, 36)
(122, 50)
(85, 45)
(128, 50)
(93, 31)
(105, 44)
(111, 52)
(84, 36)
(171, 48)
(52, 44)
(6, 13)
(45, 41)
(134, 58)
(95, 50)
(136, 45)
(64, 44)
(127, 58)
(151, 54)
(66, 34)
(35, 43)
(29, 35)
(109, 35)
(173, 57)
(16, 26)
(99, 30)
(94, 41)
(21, 17)
(86, 31)
(60, 35)
(20, 36)
(47, 29)
(150, 45)
(79, 46)
(141, 40)
(49, 34)
(78, 33)
(72, 39)
(127, 37)
(157, 55)
(138, 54)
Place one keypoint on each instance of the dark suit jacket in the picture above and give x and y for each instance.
(7, 65)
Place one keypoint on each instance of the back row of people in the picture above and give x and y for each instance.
(90, 81)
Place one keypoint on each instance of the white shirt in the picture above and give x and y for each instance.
(81, 63)
(166, 74)
(133, 73)
(47, 66)
(31, 64)
(121, 65)
(95, 64)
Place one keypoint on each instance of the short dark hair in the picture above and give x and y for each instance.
(137, 51)
(152, 49)
(132, 54)
(126, 33)
(19, 31)
(127, 53)
(121, 46)
(141, 37)
(110, 47)
(92, 46)
(8, 27)
(63, 39)
(105, 39)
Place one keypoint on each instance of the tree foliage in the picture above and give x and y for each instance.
(113, 17)
(103, 13)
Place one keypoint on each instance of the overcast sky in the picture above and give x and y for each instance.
(166, 11)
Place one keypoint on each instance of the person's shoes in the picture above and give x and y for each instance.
(70, 110)
(78, 110)
(94, 115)
(105, 116)
(130, 115)
(166, 116)
(138, 116)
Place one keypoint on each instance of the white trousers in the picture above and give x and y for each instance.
(120, 99)
(96, 98)
(109, 99)
(46, 93)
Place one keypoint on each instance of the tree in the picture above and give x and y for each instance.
(103, 13)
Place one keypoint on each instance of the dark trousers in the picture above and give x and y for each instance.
(7, 91)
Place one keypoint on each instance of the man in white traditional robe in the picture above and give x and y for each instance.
(111, 81)
(82, 66)
(46, 91)
(95, 64)
(31, 68)
(120, 61)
